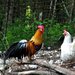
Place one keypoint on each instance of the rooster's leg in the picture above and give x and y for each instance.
(32, 57)
(29, 58)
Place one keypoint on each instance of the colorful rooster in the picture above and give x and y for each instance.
(26, 48)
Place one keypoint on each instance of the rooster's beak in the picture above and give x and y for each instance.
(42, 30)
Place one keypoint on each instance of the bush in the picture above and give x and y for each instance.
(24, 29)
(56, 31)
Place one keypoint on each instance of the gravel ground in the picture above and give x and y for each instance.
(50, 57)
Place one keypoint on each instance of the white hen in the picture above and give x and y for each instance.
(67, 48)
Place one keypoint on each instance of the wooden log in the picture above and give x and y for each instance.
(52, 67)
(62, 70)
(44, 63)
(31, 72)
(55, 67)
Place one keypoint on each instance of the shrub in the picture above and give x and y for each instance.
(24, 29)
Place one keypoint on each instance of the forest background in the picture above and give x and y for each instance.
(19, 20)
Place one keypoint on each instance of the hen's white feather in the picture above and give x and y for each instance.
(67, 48)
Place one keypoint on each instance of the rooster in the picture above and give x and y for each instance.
(67, 48)
(26, 48)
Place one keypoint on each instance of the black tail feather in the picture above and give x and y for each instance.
(15, 50)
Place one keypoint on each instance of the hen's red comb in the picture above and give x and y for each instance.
(65, 30)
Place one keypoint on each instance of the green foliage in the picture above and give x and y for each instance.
(28, 12)
(54, 31)
(25, 29)
(21, 30)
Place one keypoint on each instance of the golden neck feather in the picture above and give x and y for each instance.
(37, 38)
(38, 33)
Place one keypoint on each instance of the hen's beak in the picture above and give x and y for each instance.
(65, 32)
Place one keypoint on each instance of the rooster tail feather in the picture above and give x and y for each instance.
(10, 50)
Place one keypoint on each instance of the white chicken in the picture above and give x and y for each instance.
(67, 48)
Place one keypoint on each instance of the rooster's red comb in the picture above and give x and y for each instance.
(41, 26)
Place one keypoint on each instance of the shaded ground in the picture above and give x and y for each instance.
(42, 64)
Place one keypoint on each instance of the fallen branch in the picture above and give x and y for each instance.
(68, 64)
(55, 67)
(44, 63)
(31, 72)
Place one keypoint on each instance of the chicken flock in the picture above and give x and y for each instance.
(29, 48)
